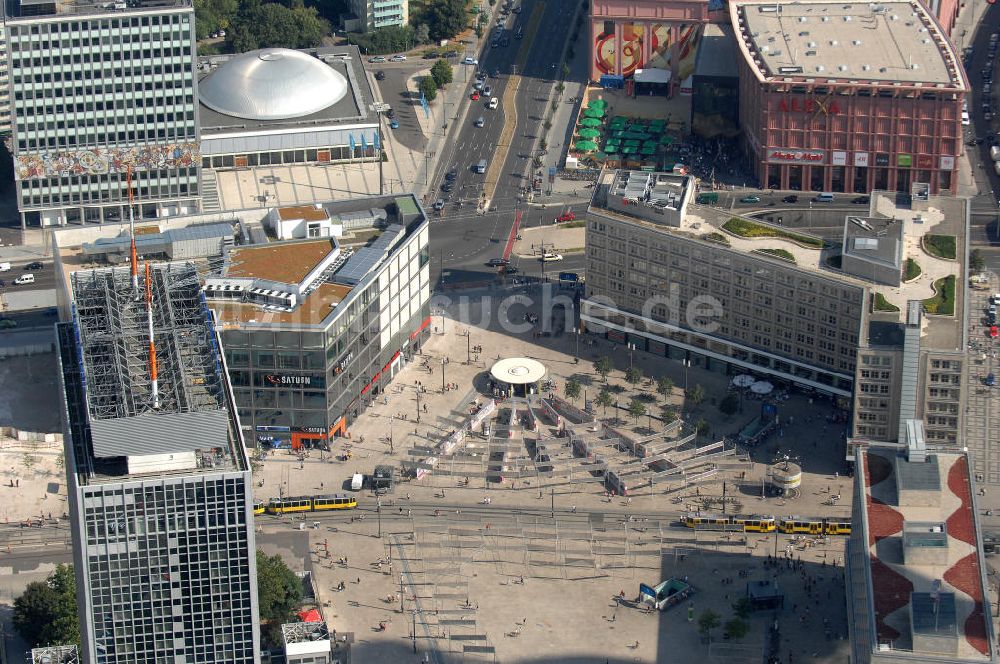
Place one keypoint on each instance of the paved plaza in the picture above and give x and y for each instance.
(533, 569)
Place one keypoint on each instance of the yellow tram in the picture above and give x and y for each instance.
(768, 524)
(337, 501)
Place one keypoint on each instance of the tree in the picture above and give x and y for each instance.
(604, 399)
(267, 24)
(61, 460)
(634, 375)
(729, 404)
(422, 34)
(742, 608)
(441, 73)
(976, 261)
(736, 628)
(696, 394)
(560, 87)
(429, 88)
(480, 31)
(279, 590)
(701, 427)
(668, 413)
(28, 460)
(547, 124)
(211, 15)
(45, 613)
(543, 145)
(572, 389)
(564, 72)
(708, 621)
(664, 387)
(636, 409)
(603, 366)
(445, 18)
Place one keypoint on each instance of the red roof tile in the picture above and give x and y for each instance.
(891, 593)
(960, 522)
(966, 576)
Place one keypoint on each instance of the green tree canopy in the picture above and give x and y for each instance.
(976, 261)
(268, 24)
(572, 389)
(696, 394)
(702, 427)
(636, 408)
(211, 15)
(445, 18)
(729, 404)
(429, 88)
(736, 628)
(423, 34)
(668, 413)
(279, 590)
(664, 386)
(708, 621)
(45, 613)
(603, 366)
(634, 375)
(391, 39)
(604, 399)
(442, 73)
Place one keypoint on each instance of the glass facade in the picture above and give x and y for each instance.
(93, 95)
(167, 569)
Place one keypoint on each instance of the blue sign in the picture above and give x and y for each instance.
(646, 590)
(569, 276)
(423, 105)
(353, 145)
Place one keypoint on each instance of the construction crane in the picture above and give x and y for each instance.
(152, 342)
(131, 232)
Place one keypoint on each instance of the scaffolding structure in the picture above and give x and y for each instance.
(55, 655)
(111, 322)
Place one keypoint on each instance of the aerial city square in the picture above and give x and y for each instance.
(500, 331)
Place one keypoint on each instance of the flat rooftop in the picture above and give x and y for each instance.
(887, 42)
(314, 308)
(935, 491)
(286, 262)
(875, 239)
(353, 108)
(30, 9)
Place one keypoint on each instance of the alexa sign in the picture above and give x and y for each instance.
(796, 156)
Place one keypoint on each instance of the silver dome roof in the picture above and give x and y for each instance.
(272, 84)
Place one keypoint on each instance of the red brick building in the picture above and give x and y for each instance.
(848, 97)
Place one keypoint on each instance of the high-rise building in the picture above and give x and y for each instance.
(159, 481)
(374, 14)
(97, 89)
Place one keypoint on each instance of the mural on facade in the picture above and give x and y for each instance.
(606, 48)
(108, 160)
(686, 50)
(632, 40)
(659, 50)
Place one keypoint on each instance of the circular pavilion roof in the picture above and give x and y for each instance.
(518, 371)
(272, 84)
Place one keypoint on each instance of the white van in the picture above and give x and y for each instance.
(480, 121)
(494, 102)
(4, 267)
(825, 197)
(357, 481)
(481, 166)
(25, 279)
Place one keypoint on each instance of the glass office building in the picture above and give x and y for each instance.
(96, 90)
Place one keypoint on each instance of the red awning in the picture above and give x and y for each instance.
(312, 615)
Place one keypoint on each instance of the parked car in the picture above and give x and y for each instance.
(566, 216)
(790, 199)
(750, 199)
(497, 262)
(861, 200)
(548, 258)
(394, 124)
(35, 265)
(451, 175)
(470, 61)
(439, 204)
(398, 58)
(474, 96)
(376, 59)
(447, 187)
(380, 75)
(389, 113)
(990, 381)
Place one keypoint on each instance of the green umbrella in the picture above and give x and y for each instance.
(629, 149)
(598, 103)
(632, 142)
(589, 133)
(595, 113)
(611, 149)
(590, 122)
(666, 139)
(648, 149)
(614, 141)
(586, 146)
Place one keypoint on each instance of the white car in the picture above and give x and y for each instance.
(548, 258)
(377, 58)
(398, 58)
(487, 91)
(470, 61)
(494, 102)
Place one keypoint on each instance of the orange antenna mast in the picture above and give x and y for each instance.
(152, 342)
(131, 232)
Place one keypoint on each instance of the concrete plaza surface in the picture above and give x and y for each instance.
(535, 572)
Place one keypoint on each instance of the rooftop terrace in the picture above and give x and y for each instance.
(31, 9)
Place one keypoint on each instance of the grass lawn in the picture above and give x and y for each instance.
(882, 304)
(747, 228)
(912, 270)
(783, 254)
(940, 246)
(943, 302)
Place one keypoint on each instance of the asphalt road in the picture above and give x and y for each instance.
(461, 240)
(45, 279)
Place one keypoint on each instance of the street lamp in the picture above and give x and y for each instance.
(468, 346)
(687, 363)
(442, 375)
(576, 353)
(631, 347)
(418, 404)
(391, 420)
